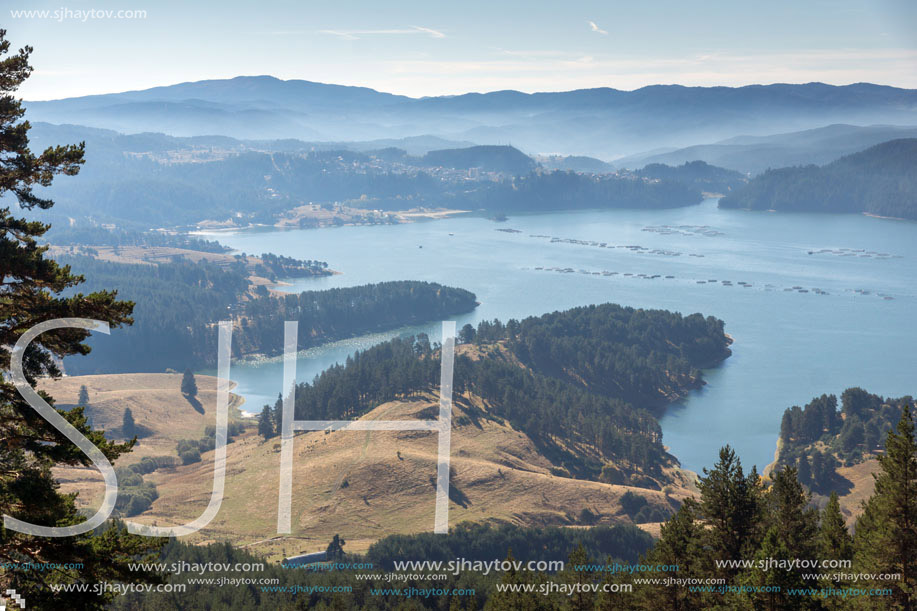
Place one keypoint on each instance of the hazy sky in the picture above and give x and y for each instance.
(431, 48)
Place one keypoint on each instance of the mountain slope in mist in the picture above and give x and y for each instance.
(602, 122)
(754, 154)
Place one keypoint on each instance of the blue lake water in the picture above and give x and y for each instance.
(789, 345)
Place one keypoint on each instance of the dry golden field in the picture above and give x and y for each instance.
(363, 485)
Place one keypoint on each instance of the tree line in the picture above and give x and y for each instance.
(473, 542)
(699, 174)
(643, 357)
(881, 180)
(819, 438)
(739, 516)
(339, 313)
(761, 524)
(177, 304)
(559, 190)
(92, 235)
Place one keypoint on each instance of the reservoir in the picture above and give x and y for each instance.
(816, 303)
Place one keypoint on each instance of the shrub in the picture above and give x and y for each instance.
(190, 456)
(151, 463)
(134, 495)
(587, 517)
(632, 503)
(651, 513)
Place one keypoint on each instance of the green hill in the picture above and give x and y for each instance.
(582, 384)
(819, 439)
(503, 159)
(881, 180)
(697, 174)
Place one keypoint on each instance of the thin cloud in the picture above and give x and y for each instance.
(433, 33)
(597, 29)
(357, 34)
(535, 54)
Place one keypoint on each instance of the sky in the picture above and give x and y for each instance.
(433, 48)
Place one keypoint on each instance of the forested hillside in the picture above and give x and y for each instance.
(819, 438)
(177, 304)
(505, 159)
(179, 182)
(90, 235)
(175, 307)
(644, 357)
(576, 163)
(755, 154)
(344, 312)
(257, 185)
(881, 180)
(569, 191)
(697, 174)
(592, 414)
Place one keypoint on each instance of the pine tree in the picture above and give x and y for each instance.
(821, 472)
(277, 414)
(804, 474)
(335, 549)
(834, 540)
(83, 402)
(731, 506)
(789, 514)
(775, 582)
(786, 427)
(579, 559)
(871, 441)
(792, 527)
(467, 334)
(507, 600)
(128, 426)
(188, 384)
(266, 423)
(834, 543)
(31, 293)
(679, 546)
(886, 532)
(853, 435)
(618, 599)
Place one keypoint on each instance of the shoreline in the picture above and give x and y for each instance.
(887, 218)
(395, 217)
(770, 466)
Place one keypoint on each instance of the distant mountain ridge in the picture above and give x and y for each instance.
(180, 181)
(101, 139)
(603, 122)
(754, 154)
